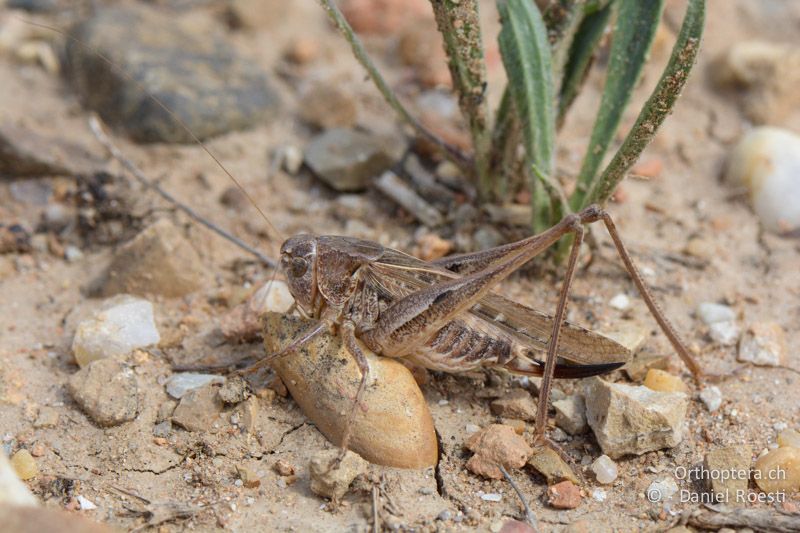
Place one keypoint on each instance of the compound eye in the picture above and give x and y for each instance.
(299, 266)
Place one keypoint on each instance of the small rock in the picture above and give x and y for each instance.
(599, 495)
(234, 390)
(72, 253)
(605, 469)
(291, 158)
(85, 503)
(631, 336)
(179, 384)
(421, 48)
(248, 414)
(24, 465)
(662, 490)
(620, 302)
(381, 17)
(199, 409)
(283, 468)
(564, 495)
(330, 482)
(107, 392)
(729, 470)
(650, 168)
(347, 159)
(699, 248)
(571, 414)
(12, 490)
(444, 516)
(302, 50)
(244, 322)
(764, 343)
(661, 381)
(16, 239)
(517, 404)
(547, 462)
(430, 247)
(712, 398)
(162, 429)
(491, 497)
(789, 438)
(769, 74)
(122, 324)
(27, 153)
(256, 14)
(38, 450)
(633, 419)
(638, 367)
(711, 313)
(249, 478)
(47, 418)
(328, 105)
(724, 333)
(494, 446)
(778, 470)
(207, 84)
(767, 162)
(486, 237)
(159, 260)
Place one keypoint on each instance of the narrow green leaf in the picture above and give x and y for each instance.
(526, 57)
(581, 54)
(634, 30)
(562, 19)
(658, 106)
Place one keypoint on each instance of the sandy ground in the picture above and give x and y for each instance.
(42, 298)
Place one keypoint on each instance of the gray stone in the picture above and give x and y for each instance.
(197, 74)
(347, 159)
(180, 384)
(26, 153)
(571, 414)
(162, 429)
(630, 419)
(764, 343)
(234, 390)
(107, 392)
(47, 418)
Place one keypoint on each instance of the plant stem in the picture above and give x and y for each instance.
(451, 152)
(459, 24)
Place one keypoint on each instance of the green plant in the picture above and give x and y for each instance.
(547, 56)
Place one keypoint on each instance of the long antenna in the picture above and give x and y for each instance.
(122, 72)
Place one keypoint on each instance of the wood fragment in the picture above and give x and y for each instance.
(772, 521)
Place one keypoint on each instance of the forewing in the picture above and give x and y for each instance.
(397, 274)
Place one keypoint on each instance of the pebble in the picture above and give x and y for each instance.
(302, 50)
(12, 490)
(430, 247)
(248, 477)
(234, 390)
(778, 470)
(662, 490)
(47, 418)
(85, 503)
(518, 404)
(107, 391)
(549, 463)
(397, 430)
(712, 398)
(767, 162)
(632, 336)
(421, 48)
(630, 419)
(721, 322)
(734, 462)
(381, 17)
(599, 495)
(494, 446)
(159, 260)
(491, 497)
(25, 155)
(206, 82)
(605, 469)
(179, 384)
(571, 414)
(789, 438)
(328, 105)
(620, 302)
(564, 495)
(122, 324)
(331, 482)
(24, 465)
(162, 429)
(347, 160)
(638, 367)
(291, 158)
(283, 468)
(661, 381)
(764, 343)
(198, 409)
(244, 322)
(769, 74)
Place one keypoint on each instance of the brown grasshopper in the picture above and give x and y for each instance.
(441, 315)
